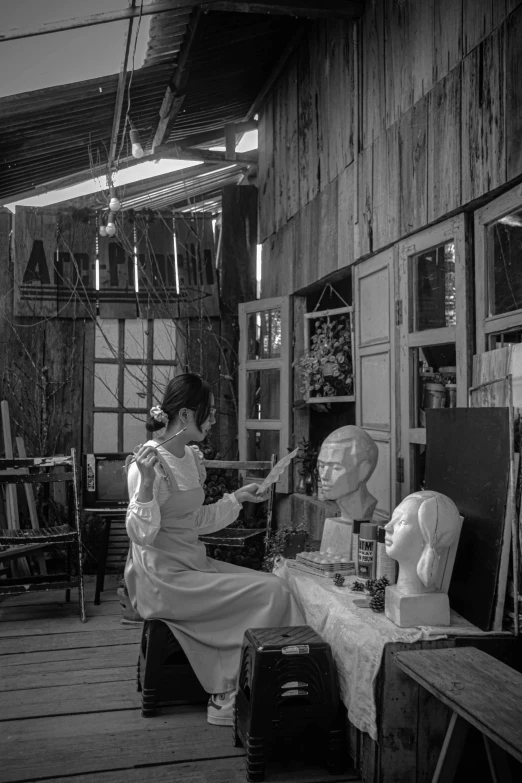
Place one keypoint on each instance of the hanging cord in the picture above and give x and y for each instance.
(331, 290)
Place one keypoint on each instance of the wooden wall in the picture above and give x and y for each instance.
(365, 141)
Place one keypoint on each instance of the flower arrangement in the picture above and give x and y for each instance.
(327, 368)
(285, 542)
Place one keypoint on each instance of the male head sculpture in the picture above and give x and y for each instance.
(347, 459)
(422, 528)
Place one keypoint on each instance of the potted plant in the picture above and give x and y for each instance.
(307, 459)
(327, 369)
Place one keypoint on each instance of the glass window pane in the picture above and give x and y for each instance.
(106, 338)
(164, 343)
(264, 334)
(135, 386)
(136, 334)
(433, 277)
(434, 383)
(105, 437)
(504, 242)
(263, 394)
(161, 375)
(105, 385)
(261, 444)
(134, 431)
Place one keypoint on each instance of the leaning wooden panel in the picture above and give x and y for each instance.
(483, 137)
(364, 224)
(345, 215)
(386, 188)
(266, 171)
(477, 22)
(399, 62)
(308, 131)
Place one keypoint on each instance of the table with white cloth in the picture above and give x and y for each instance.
(382, 703)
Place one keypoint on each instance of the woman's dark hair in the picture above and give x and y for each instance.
(184, 391)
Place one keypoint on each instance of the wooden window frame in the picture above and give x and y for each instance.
(452, 229)
(283, 363)
(123, 362)
(486, 324)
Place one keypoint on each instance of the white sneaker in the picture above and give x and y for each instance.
(220, 709)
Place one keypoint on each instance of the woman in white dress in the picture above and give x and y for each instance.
(207, 604)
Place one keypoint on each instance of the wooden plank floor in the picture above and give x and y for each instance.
(70, 712)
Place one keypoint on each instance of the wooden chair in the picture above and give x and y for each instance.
(237, 537)
(20, 542)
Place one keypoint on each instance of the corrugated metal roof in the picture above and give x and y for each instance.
(60, 131)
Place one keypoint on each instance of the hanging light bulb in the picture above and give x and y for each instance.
(111, 227)
(137, 149)
(103, 231)
(114, 204)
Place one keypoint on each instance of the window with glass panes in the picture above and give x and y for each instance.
(133, 361)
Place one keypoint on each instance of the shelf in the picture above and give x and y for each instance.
(323, 400)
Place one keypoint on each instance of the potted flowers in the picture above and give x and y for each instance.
(327, 369)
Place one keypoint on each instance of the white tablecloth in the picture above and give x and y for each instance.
(357, 637)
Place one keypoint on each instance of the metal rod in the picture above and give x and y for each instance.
(165, 441)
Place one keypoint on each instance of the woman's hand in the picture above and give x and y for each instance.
(146, 459)
(249, 493)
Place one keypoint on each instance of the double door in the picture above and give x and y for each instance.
(412, 350)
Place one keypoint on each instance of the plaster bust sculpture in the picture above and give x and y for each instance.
(347, 459)
(422, 536)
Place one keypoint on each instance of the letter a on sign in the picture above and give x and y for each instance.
(35, 292)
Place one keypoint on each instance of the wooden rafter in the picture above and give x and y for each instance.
(209, 156)
(175, 93)
(104, 17)
(122, 81)
(311, 9)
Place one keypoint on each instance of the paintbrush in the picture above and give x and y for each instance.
(161, 444)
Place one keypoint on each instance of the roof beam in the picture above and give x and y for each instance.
(122, 80)
(209, 156)
(104, 17)
(217, 136)
(175, 93)
(310, 9)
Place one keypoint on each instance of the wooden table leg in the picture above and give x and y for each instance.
(452, 749)
(102, 561)
(498, 762)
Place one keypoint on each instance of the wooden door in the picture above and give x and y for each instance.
(375, 374)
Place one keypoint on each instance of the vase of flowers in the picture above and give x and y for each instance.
(327, 368)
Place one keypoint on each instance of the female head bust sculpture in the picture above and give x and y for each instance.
(422, 526)
(421, 529)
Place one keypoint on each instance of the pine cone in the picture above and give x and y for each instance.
(382, 583)
(338, 580)
(377, 602)
(358, 586)
(371, 585)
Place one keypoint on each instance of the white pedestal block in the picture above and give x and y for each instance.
(422, 609)
(337, 535)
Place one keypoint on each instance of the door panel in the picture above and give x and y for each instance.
(375, 377)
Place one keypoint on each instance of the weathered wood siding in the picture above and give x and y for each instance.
(365, 140)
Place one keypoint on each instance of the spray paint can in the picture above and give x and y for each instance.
(355, 540)
(386, 565)
(367, 550)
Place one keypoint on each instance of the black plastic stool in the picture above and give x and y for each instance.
(287, 688)
(164, 673)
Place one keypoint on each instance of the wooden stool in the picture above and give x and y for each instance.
(287, 688)
(165, 675)
(481, 692)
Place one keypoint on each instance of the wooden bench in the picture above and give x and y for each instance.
(481, 692)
